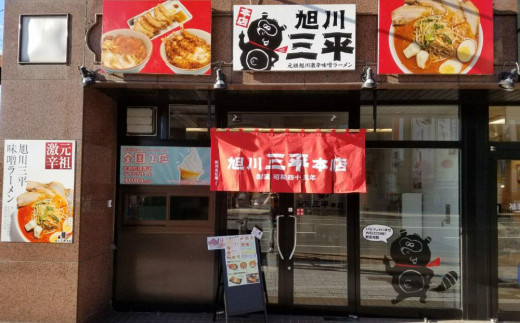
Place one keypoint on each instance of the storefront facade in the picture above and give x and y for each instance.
(442, 158)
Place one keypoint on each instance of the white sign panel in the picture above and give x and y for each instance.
(294, 37)
(377, 233)
(38, 196)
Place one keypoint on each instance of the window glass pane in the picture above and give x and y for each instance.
(44, 39)
(189, 208)
(508, 209)
(321, 250)
(414, 194)
(324, 120)
(145, 208)
(190, 121)
(394, 122)
(504, 123)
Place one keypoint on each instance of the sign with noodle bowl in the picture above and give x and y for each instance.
(38, 191)
(435, 37)
(156, 37)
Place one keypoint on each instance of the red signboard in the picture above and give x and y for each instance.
(435, 37)
(288, 162)
(156, 36)
(58, 155)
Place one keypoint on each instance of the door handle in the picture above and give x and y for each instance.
(295, 234)
(278, 236)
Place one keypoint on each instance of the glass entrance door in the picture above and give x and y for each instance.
(508, 236)
(304, 246)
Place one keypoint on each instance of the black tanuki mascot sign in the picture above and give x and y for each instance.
(411, 276)
(259, 53)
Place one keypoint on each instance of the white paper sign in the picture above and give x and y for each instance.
(215, 243)
(377, 233)
(257, 233)
(294, 37)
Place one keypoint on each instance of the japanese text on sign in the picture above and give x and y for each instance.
(288, 162)
(294, 37)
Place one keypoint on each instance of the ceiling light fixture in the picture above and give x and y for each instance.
(87, 77)
(368, 78)
(220, 83)
(506, 80)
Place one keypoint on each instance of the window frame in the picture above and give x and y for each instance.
(21, 18)
(421, 144)
(168, 192)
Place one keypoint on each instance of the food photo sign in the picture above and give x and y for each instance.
(38, 196)
(435, 37)
(156, 37)
(294, 37)
(161, 165)
(241, 258)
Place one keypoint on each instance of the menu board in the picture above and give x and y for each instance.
(241, 260)
(244, 289)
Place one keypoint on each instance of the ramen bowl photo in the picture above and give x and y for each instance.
(125, 51)
(187, 51)
(44, 213)
(435, 37)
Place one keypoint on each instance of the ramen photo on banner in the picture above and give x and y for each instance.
(38, 191)
(435, 37)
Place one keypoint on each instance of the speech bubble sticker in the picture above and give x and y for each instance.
(377, 233)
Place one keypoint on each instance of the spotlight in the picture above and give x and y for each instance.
(220, 83)
(333, 118)
(236, 118)
(506, 80)
(367, 78)
(87, 77)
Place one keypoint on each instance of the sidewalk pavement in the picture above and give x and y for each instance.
(164, 317)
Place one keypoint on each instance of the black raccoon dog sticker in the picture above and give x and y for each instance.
(411, 275)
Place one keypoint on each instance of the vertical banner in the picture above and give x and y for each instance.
(156, 36)
(294, 37)
(435, 37)
(288, 162)
(38, 196)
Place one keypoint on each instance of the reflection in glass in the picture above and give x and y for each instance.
(415, 193)
(504, 123)
(144, 208)
(190, 121)
(324, 120)
(320, 259)
(418, 123)
(508, 209)
(194, 208)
